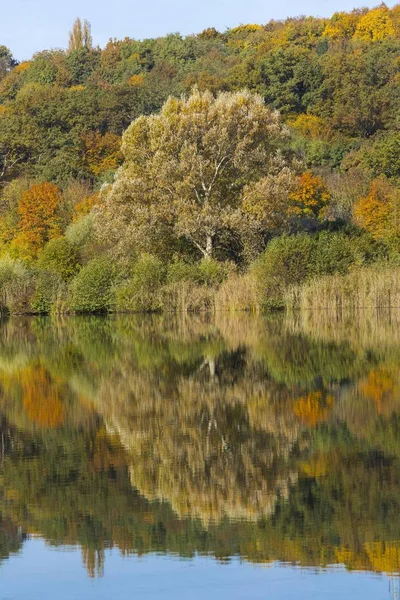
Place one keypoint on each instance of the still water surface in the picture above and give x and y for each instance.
(229, 457)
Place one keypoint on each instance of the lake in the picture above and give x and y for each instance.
(200, 457)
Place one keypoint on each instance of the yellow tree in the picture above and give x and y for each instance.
(84, 206)
(375, 25)
(342, 25)
(312, 127)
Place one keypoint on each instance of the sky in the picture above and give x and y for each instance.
(28, 26)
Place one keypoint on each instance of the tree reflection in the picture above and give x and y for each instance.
(245, 436)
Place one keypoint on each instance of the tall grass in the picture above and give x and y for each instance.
(239, 293)
(187, 297)
(376, 287)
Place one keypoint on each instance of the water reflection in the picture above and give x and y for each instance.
(270, 439)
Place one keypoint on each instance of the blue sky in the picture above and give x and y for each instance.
(27, 26)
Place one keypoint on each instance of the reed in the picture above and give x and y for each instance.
(375, 287)
(239, 293)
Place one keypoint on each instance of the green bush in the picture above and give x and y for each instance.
(47, 286)
(60, 257)
(16, 286)
(332, 253)
(285, 262)
(292, 260)
(181, 270)
(213, 273)
(141, 291)
(80, 233)
(91, 290)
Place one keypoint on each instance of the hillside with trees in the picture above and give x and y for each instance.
(244, 169)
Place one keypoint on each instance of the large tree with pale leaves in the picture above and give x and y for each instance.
(188, 171)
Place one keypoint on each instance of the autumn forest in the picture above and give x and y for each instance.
(251, 169)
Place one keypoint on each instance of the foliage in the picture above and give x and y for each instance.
(48, 285)
(293, 260)
(189, 163)
(379, 211)
(80, 232)
(375, 25)
(16, 286)
(80, 36)
(91, 289)
(141, 291)
(101, 152)
(288, 127)
(284, 263)
(310, 197)
(39, 218)
(60, 257)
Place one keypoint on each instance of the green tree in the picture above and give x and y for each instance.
(7, 61)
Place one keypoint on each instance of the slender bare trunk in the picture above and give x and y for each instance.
(209, 247)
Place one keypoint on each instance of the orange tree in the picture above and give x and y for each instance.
(39, 218)
(379, 211)
(309, 197)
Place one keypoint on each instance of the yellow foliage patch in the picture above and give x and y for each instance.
(379, 211)
(102, 152)
(85, 206)
(376, 25)
(24, 66)
(342, 25)
(136, 80)
(310, 196)
(76, 88)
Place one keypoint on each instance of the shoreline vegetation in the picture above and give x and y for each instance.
(251, 170)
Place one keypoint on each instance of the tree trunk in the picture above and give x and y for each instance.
(209, 248)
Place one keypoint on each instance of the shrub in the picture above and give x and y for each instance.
(207, 272)
(213, 273)
(60, 257)
(80, 233)
(47, 286)
(16, 286)
(91, 289)
(292, 260)
(141, 291)
(180, 270)
(332, 253)
(284, 263)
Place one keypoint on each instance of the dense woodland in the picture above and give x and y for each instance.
(265, 439)
(236, 169)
